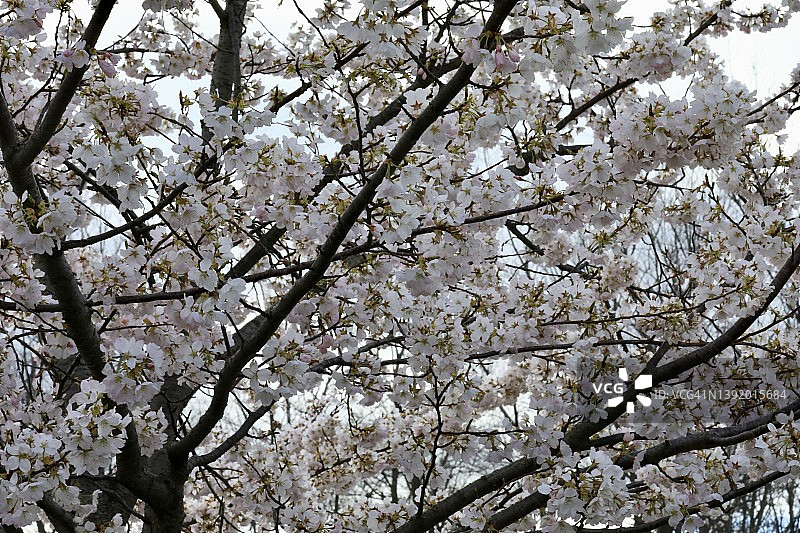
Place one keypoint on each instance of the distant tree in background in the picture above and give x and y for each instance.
(382, 275)
(772, 509)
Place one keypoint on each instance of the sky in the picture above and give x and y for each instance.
(763, 62)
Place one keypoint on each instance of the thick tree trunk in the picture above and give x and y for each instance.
(169, 515)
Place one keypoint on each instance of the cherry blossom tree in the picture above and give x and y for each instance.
(382, 274)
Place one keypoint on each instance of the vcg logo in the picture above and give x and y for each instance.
(643, 382)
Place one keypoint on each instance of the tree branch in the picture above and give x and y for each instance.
(230, 442)
(702, 440)
(578, 437)
(747, 488)
(267, 325)
(707, 352)
(63, 96)
(61, 521)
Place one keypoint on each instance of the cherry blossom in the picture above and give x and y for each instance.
(384, 269)
(75, 57)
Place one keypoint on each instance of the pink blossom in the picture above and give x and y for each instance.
(107, 68)
(75, 57)
(499, 57)
(106, 61)
(502, 61)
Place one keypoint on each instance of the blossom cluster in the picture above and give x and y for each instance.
(328, 286)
